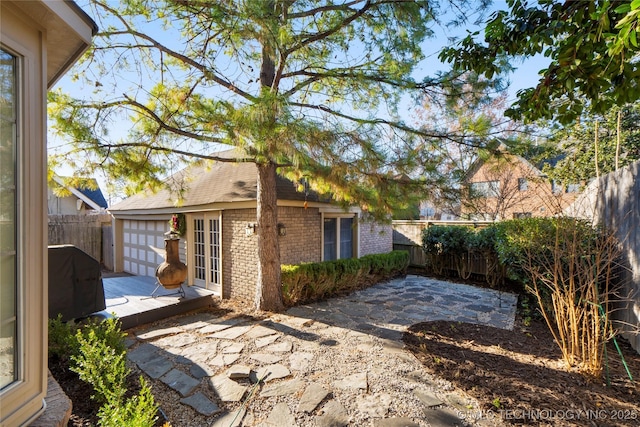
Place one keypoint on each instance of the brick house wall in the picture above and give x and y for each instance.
(239, 255)
(375, 238)
(301, 243)
(537, 198)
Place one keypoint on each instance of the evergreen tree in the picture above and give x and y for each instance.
(305, 89)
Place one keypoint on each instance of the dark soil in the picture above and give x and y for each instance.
(85, 409)
(519, 375)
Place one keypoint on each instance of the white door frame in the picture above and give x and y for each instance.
(205, 255)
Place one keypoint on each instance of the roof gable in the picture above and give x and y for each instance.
(93, 198)
(213, 182)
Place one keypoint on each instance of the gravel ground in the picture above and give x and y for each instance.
(320, 353)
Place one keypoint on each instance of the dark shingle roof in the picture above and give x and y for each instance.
(214, 182)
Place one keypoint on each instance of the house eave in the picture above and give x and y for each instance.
(69, 31)
(250, 204)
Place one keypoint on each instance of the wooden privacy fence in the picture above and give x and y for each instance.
(614, 201)
(91, 233)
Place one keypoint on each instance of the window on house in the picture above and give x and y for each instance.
(521, 215)
(9, 278)
(485, 188)
(338, 238)
(573, 188)
(523, 184)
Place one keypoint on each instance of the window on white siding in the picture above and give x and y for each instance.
(338, 238)
(9, 277)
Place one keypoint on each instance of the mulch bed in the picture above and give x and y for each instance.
(519, 376)
(84, 409)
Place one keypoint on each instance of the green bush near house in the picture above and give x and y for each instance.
(96, 351)
(307, 282)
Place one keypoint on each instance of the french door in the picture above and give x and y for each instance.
(207, 252)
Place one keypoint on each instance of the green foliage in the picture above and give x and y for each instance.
(138, 411)
(62, 341)
(178, 224)
(303, 85)
(439, 239)
(515, 237)
(519, 240)
(506, 246)
(591, 47)
(443, 242)
(309, 282)
(101, 366)
(63, 336)
(577, 143)
(97, 353)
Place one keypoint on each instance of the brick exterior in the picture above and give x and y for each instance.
(239, 255)
(240, 252)
(375, 238)
(536, 199)
(302, 241)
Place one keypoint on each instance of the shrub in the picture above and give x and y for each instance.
(309, 282)
(514, 239)
(441, 242)
(62, 341)
(572, 274)
(97, 353)
(139, 411)
(483, 242)
(567, 265)
(100, 365)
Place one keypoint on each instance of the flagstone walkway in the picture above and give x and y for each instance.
(335, 363)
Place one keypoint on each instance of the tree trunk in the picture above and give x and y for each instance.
(269, 286)
(618, 129)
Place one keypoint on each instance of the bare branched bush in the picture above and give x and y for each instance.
(573, 276)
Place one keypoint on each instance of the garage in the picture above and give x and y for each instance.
(143, 246)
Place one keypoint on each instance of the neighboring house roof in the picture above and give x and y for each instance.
(95, 195)
(502, 151)
(214, 182)
(93, 198)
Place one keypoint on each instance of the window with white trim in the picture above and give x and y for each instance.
(339, 238)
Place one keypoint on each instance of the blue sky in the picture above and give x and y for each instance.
(525, 76)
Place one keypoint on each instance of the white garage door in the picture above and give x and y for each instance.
(143, 246)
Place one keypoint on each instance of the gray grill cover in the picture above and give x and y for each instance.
(75, 283)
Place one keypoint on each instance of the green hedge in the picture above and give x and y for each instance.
(505, 246)
(309, 282)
